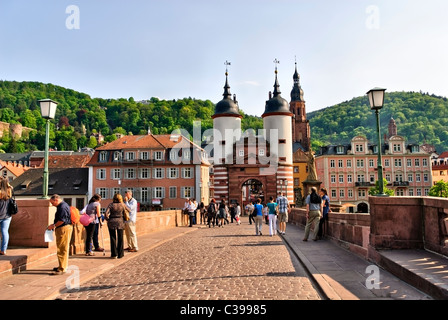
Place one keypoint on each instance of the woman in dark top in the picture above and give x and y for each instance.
(94, 210)
(5, 217)
(115, 223)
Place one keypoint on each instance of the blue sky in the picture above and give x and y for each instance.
(173, 49)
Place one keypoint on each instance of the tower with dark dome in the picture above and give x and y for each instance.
(301, 131)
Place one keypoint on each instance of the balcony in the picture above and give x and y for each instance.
(401, 184)
(363, 184)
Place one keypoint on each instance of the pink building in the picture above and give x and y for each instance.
(349, 171)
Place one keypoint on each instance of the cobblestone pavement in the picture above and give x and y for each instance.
(228, 263)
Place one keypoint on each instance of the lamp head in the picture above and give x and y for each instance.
(48, 108)
(376, 98)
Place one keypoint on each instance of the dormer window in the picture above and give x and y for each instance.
(118, 156)
(103, 156)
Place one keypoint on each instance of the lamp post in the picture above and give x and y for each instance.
(286, 186)
(48, 111)
(376, 99)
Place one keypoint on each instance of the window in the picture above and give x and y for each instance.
(101, 174)
(173, 192)
(333, 193)
(297, 182)
(419, 192)
(360, 163)
(349, 178)
(103, 156)
(144, 173)
(372, 163)
(187, 154)
(388, 178)
(159, 173)
(144, 155)
(418, 177)
(118, 155)
(174, 154)
(361, 178)
(397, 147)
(359, 148)
(409, 162)
(361, 193)
(397, 163)
(425, 177)
(341, 178)
(340, 163)
(417, 162)
(241, 153)
(114, 191)
(187, 173)
(399, 177)
(144, 193)
(349, 163)
(129, 173)
(158, 155)
(116, 174)
(411, 192)
(261, 152)
(350, 193)
(341, 193)
(296, 169)
(372, 178)
(333, 178)
(130, 156)
(387, 162)
(332, 164)
(173, 173)
(186, 192)
(340, 150)
(282, 141)
(425, 162)
(410, 177)
(103, 192)
(159, 192)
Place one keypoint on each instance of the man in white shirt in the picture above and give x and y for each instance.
(130, 228)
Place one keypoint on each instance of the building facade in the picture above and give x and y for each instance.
(161, 170)
(349, 171)
(440, 168)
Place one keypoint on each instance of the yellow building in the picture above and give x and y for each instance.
(300, 173)
(440, 168)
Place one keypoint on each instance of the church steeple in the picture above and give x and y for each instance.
(297, 92)
(228, 106)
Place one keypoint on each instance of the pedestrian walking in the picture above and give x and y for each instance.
(222, 212)
(273, 209)
(325, 210)
(5, 216)
(202, 211)
(258, 213)
(115, 223)
(63, 230)
(130, 225)
(212, 210)
(266, 214)
(283, 210)
(313, 213)
(94, 211)
(238, 213)
(250, 210)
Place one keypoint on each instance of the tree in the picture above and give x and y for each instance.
(440, 189)
(376, 190)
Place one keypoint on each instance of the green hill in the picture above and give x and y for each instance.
(420, 118)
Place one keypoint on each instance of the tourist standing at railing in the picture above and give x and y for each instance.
(313, 213)
(326, 209)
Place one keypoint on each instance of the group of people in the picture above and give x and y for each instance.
(272, 212)
(317, 209)
(214, 214)
(117, 225)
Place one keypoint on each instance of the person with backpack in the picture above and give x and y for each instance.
(211, 213)
(314, 206)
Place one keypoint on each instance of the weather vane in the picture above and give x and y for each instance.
(276, 63)
(227, 63)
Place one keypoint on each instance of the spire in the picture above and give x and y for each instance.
(276, 84)
(227, 93)
(297, 92)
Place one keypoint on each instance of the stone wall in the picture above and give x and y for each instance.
(350, 231)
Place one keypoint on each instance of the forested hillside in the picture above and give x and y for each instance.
(79, 116)
(421, 118)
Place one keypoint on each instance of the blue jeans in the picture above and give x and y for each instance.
(4, 225)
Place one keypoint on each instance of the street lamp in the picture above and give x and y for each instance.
(286, 184)
(48, 111)
(376, 99)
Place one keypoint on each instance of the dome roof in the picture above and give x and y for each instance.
(227, 106)
(276, 104)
